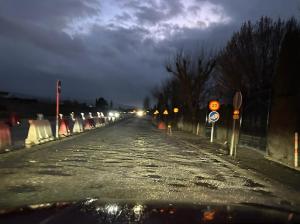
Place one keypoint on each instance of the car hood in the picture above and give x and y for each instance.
(97, 211)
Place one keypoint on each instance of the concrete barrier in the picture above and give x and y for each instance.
(78, 126)
(97, 122)
(5, 136)
(64, 129)
(39, 132)
(48, 130)
(88, 124)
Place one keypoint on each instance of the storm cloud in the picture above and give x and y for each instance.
(115, 49)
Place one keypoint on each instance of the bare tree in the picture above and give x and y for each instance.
(190, 75)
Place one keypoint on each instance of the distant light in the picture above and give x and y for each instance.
(140, 113)
(110, 114)
(117, 114)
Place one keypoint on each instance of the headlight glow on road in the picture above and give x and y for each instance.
(112, 209)
(110, 114)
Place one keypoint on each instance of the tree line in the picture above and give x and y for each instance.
(248, 63)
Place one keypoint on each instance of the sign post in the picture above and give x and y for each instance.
(237, 103)
(58, 91)
(213, 117)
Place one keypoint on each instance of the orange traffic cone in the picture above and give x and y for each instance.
(161, 126)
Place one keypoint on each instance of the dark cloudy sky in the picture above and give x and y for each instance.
(112, 48)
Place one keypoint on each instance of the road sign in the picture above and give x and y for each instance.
(214, 105)
(175, 110)
(213, 116)
(237, 100)
(58, 86)
(236, 112)
(165, 112)
(235, 116)
(156, 112)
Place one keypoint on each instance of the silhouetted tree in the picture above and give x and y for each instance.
(249, 60)
(146, 103)
(101, 103)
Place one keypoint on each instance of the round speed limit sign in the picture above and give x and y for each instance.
(213, 116)
(214, 105)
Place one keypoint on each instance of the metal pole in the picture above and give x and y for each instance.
(232, 139)
(212, 132)
(296, 150)
(197, 131)
(57, 109)
(237, 136)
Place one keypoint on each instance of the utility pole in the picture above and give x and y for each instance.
(58, 91)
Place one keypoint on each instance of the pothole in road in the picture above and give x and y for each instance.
(150, 165)
(24, 188)
(204, 184)
(96, 186)
(127, 166)
(125, 159)
(153, 176)
(50, 166)
(177, 185)
(76, 160)
(263, 192)
(251, 183)
(111, 161)
(53, 173)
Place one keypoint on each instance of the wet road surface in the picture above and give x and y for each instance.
(131, 160)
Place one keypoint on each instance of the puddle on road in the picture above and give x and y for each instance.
(24, 188)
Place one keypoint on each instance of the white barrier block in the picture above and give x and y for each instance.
(39, 132)
(78, 126)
